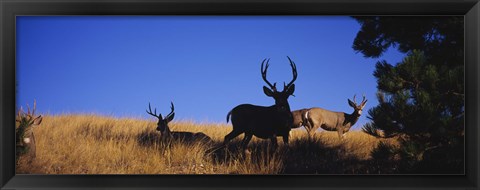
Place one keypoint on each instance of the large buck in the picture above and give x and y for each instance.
(166, 134)
(264, 122)
(25, 138)
(341, 122)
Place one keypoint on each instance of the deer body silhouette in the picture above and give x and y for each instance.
(261, 121)
(166, 134)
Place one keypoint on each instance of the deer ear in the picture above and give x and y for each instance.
(267, 91)
(351, 103)
(37, 120)
(170, 117)
(291, 89)
(364, 103)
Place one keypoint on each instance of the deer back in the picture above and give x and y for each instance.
(299, 117)
(261, 121)
(326, 119)
(190, 137)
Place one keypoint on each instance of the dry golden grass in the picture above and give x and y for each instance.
(90, 144)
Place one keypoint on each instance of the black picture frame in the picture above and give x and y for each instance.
(10, 9)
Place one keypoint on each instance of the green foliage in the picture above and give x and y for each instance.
(383, 158)
(421, 99)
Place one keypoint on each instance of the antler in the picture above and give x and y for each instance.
(149, 111)
(31, 113)
(264, 75)
(29, 116)
(294, 72)
(363, 100)
(19, 114)
(171, 112)
(33, 110)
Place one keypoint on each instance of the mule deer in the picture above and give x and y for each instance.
(300, 119)
(333, 121)
(166, 134)
(25, 138)
(264, 122)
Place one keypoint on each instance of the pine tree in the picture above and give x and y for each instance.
(421, 99)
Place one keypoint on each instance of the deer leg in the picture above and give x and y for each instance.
(340, 133)
(246, 140)
(273, 139)
(285, 140)
(311, 128)
(231, 136)
(312, 132)
(226, 140)
(308, 131)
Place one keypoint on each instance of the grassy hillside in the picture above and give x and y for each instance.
(90, 144)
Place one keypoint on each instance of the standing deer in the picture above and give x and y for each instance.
(25, 138)
(166, 134)
(264, 122)
(333, 121)
(300, 119)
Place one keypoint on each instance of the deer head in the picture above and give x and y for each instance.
(162, 124)
(28, 119)
(280, 97)
(357, 108)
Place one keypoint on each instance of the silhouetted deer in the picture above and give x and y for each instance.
(25, 138)
(166, 134)
(264, 122)
(334, 121)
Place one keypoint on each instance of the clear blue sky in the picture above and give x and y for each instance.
(206, 65)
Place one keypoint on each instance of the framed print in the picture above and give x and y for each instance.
(254, 94)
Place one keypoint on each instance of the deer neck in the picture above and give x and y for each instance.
(167, 132)
(280, 110)
(351, 118)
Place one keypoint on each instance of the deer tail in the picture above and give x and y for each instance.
(305, 118)
(228, 115)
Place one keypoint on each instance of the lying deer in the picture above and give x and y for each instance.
(25, 138)
(333, 121)
(166, 134)
(264, 122)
